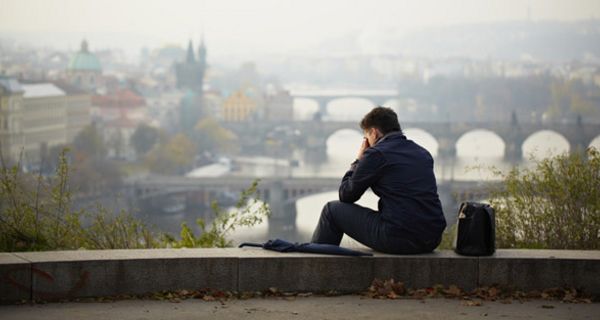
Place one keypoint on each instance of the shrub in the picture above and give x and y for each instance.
(35, 211)
(554, 205)
(36, 215)
(248, 212)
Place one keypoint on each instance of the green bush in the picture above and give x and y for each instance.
(36, 215)
(34, 211)
(554, 205)
(247, 212)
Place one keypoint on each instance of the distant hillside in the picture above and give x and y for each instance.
(540, 40)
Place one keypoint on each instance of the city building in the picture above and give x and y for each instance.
(79, 106)
(11, 117)
(44, 122)
(84, 70)
(163, 109)
(119, 114)
(36, 117)
(239, 107)
(279, 106)
(212, 102)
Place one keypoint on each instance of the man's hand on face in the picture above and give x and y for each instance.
(363, 147)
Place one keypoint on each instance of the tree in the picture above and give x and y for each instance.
(90, 142)
(174, 157)
(94, 175)
(209, 135)
(144, 138)
(92, 172)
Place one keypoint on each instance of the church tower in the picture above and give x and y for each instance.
(190, 59)
(190, 79)
(190, 72)
(202, 55)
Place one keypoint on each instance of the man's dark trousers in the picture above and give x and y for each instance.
(366, 226)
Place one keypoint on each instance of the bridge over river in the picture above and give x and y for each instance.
(280, 193)
(312, 136)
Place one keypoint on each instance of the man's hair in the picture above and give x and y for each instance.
(382, 118)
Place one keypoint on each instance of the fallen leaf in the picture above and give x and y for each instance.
(492, 292)
(392, 295)
(453, 291)
(305, 294)
(471, 303)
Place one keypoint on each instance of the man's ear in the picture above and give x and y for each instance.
(378, 134)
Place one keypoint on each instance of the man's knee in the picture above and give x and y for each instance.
(336, 209)
(332, 207)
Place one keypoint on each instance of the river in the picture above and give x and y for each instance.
(477, 151)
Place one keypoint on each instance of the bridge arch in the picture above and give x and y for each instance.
(481, 143)
(348, 108)
(310, 206)
(552, 143)
(423, 138)
(305, 108)
(595, 143)
(346, 139)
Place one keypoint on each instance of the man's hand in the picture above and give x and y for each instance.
(363, 147)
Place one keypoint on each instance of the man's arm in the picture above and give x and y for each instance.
(362, 174)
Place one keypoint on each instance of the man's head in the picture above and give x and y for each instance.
(379, 122)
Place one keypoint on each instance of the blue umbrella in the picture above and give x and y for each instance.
(285, 246)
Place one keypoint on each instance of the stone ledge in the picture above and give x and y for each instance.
(70, 274)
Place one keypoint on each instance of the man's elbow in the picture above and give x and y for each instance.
(348, 197)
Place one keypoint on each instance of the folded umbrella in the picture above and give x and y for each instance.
(285, 246)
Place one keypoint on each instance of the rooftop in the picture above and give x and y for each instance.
(10, 84)
(39, 90)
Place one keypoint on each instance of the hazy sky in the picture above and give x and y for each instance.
(254, 26)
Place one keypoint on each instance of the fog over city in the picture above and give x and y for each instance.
(166, 106)
(250, 28)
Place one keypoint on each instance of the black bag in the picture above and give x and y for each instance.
(476, 230)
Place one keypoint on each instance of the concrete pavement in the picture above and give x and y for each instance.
(314, 307)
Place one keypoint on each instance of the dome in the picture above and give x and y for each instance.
(84, 60)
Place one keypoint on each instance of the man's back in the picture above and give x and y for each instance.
(407, 188)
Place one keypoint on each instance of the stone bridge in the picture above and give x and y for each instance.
(313, 135)
(323, 97)
(280, 193)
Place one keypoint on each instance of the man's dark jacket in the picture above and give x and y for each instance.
(400, 173)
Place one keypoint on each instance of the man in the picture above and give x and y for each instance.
(400, 172)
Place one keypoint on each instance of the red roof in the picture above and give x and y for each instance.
(122, 98)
